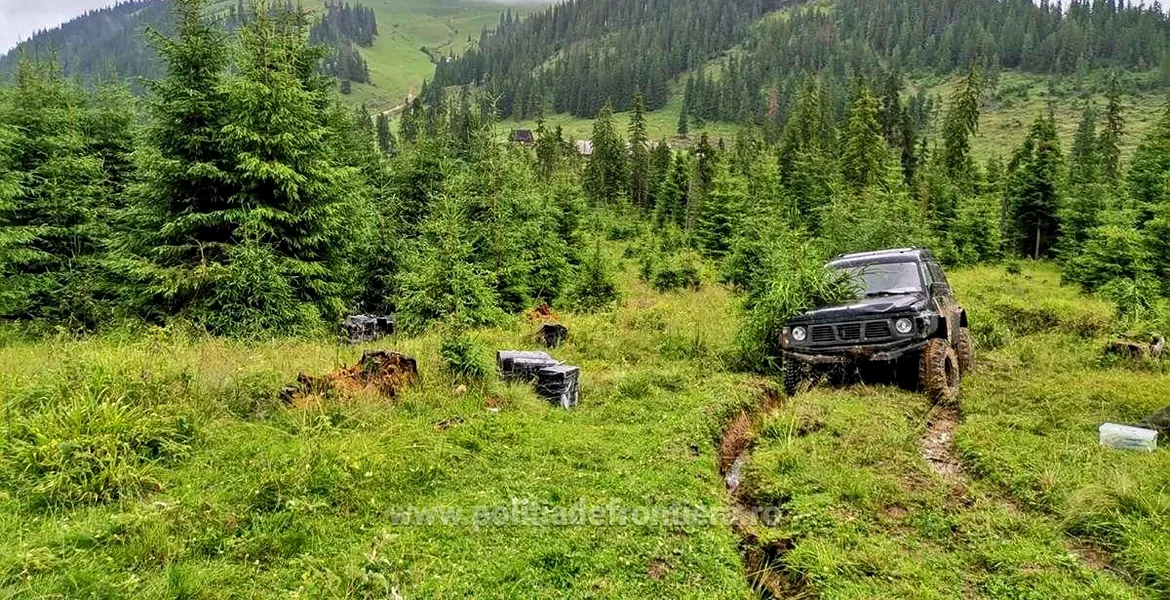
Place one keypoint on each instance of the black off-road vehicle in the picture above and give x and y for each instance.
(905, 317)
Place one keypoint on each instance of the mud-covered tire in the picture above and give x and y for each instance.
(795, 372)
(965, 351)
(938, 372)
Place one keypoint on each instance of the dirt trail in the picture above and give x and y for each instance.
(762, 561)
(938, 444)
(937, 447)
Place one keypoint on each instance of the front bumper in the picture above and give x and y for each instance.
(840, 355)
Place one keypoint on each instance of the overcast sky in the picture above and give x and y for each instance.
(21, 18)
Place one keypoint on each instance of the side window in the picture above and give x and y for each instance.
(927, 276)
(936, 273)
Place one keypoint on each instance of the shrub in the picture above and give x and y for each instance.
(463, 357)
(1115, 250)
(89, 451)
(596, 287)
(795, 280)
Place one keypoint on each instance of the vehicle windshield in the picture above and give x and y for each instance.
(885, 279)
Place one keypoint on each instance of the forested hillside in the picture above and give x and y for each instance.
(573, 57)
(383, 48)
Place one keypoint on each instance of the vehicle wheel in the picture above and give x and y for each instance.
(795, 372)
(938, 372)
(965, 351)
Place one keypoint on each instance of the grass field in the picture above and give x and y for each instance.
(398, 65)
(164, 466)
(1006, 120)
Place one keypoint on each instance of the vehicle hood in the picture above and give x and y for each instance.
(866, 307)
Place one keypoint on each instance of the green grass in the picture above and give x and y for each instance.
(163, 465)
(1020, 98)
(661, 124)
(397, 62)
(864, 516)
(271, 501)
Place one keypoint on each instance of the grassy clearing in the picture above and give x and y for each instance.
(267, 500)
(398, 65)
(1005, 122)
(165, 466)
(1041, 510)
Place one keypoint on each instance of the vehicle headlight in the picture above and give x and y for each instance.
(799, 334)
(904, 326)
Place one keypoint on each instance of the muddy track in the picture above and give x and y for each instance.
(763, 562)
(938, 449)
(937, 445)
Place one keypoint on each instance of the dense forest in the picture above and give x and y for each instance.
(341, 28)
(246, 201)
(549, 57)
(114, 43)
(573, 57)
(103, 42)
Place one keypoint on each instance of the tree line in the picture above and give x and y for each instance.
(573, 57)
(240, 198)
(555, 58)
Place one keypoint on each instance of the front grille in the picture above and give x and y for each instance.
(823, 333)
(849, 332)
(859, 332)
(877, 330)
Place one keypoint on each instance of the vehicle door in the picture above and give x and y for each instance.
(944, 299)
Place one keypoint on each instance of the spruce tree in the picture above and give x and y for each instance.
(605, 175)
(241, 184)
(639, 155)
(1084, 160)
(548, 150)
(661, 162)
(961, 123)
(55, 221)
(701, 181)
(718, 217)
(671, 205)
(1035, 188)
(1149, 173)
(864, 154)
(385, 135)
(1109, 144)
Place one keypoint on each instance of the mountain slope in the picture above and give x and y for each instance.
(111, 40)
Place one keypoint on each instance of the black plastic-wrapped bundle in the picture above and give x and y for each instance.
(523, 365)
(559, 384)
(367, 328)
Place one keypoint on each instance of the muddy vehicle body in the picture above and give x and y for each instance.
(905, 320)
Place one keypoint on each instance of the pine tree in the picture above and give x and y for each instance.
(864, 154)
(1109, 144)
(684, 120)
(639, 155)
(605, 175)
(1084, 159)
(54, 222)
